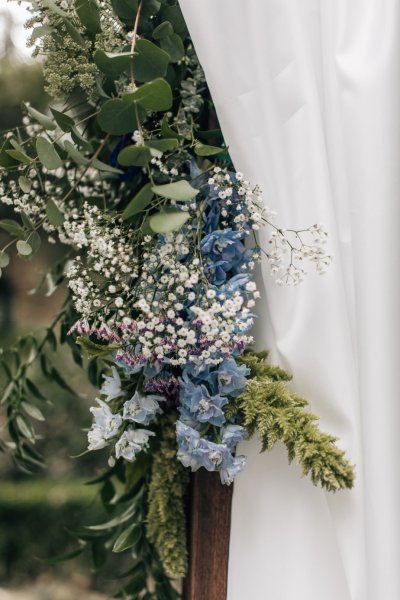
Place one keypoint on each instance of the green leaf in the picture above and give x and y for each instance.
(167, 131)
(122, 518)
(163, 145)
(32, 411)
(93, 350)
(127, 538)
(112, 64)
(125, 9)
(166, 221)
(74, 33)
(47, 154)
(173, 45)
(44, 120)
(150, 8)
(163, 30)
(54, 214)
(19, 156)
(24, 248)
(150, 61)
(204, 150)
(74, 154)
(34, 240)
(179, 190)
(118, 117)
(101, 166)
(26, 221)
(139, 202)
(137, 156)
(12, 227)
(81, 141)
(41, 31)
(54, 8)
(24, 184)
(4, 259)
(65, 122)
(153, 96)
(63, 557)
(173, 14)
(89, 15)
(25, 428)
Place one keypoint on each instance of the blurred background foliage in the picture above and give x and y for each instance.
(37, 512)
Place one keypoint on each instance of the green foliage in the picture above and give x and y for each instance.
(270, 408)
(166, 526)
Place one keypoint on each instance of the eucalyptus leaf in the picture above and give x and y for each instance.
(118, 116)
(80, 140)
(47, 154)
(44, 120)
(163, 30)
(112, 64)
(150, 61)
(173, 14)
(137, 156)
(54, 8)
(74, 154)
(65, 122)
(12, 227)
(101, 166)
(54, 214)
(204, 150)
(74, 33)
(125, 9)
(4, 259)
(163, 145)
(166, 221)
(19, 156)
(41, 31)
(167, 131)
(139, 202)
(173, 45)
(35, 241)
(179, 190)
(24, 184)
(24, 248)
(153, 96)
(89, 15)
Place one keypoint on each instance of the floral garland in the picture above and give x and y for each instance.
(162, 246)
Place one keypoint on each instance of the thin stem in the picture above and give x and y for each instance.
(134, 36)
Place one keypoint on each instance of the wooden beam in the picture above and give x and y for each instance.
(209, 534)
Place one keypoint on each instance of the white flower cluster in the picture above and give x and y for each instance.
(290, 249)
(241, 205)
(100, 282)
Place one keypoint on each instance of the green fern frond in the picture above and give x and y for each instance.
(279, 415)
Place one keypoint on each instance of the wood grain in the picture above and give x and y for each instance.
(209, 532)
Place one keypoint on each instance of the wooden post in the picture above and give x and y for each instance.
(209, 533)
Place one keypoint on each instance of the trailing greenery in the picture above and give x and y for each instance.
(270, 408)
(166, 521)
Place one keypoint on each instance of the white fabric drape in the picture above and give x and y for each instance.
(307, 93)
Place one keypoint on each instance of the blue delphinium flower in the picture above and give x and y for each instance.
(232, 379)
(232, 435)
(112, 386)
(229, 472)
(206, 408)
(195, 452)
(131, 442)
(142, 409)
(105, 426)
(188, 441)
(224, 253)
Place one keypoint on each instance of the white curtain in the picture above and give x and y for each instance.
(307, 93)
